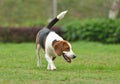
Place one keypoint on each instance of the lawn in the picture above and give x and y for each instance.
(96, 63)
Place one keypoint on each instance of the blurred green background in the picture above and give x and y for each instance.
(29, 12)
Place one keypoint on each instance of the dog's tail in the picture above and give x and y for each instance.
(56, 19)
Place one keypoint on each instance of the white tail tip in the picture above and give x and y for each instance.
(61, 15)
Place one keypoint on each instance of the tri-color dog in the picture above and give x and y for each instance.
(53, 44)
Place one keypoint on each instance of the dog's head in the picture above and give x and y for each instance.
(64, 48)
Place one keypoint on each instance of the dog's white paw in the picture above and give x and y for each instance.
(51, 67)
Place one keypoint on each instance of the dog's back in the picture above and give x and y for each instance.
(43, 33)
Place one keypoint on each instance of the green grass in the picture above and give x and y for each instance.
(95, 64)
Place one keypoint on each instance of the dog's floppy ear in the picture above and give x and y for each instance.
(58, 47)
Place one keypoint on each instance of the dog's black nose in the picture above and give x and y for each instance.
(74, 56)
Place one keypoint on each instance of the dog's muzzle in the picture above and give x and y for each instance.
(67, 58)
(74, 57)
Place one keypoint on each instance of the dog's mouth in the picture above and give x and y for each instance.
(67, 58)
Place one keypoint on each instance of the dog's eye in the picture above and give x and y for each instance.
(68, 48)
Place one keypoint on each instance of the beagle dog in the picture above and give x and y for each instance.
(53, 44)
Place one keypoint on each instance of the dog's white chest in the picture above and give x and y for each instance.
(49, 40)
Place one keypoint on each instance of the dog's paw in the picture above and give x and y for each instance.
(51, 68)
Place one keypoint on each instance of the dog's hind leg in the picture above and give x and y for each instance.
(38, 55)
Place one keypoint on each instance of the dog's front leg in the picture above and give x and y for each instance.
(51, 65)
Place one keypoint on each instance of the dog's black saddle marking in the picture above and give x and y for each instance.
(42, 35)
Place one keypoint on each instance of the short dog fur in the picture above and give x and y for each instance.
(53, 44)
